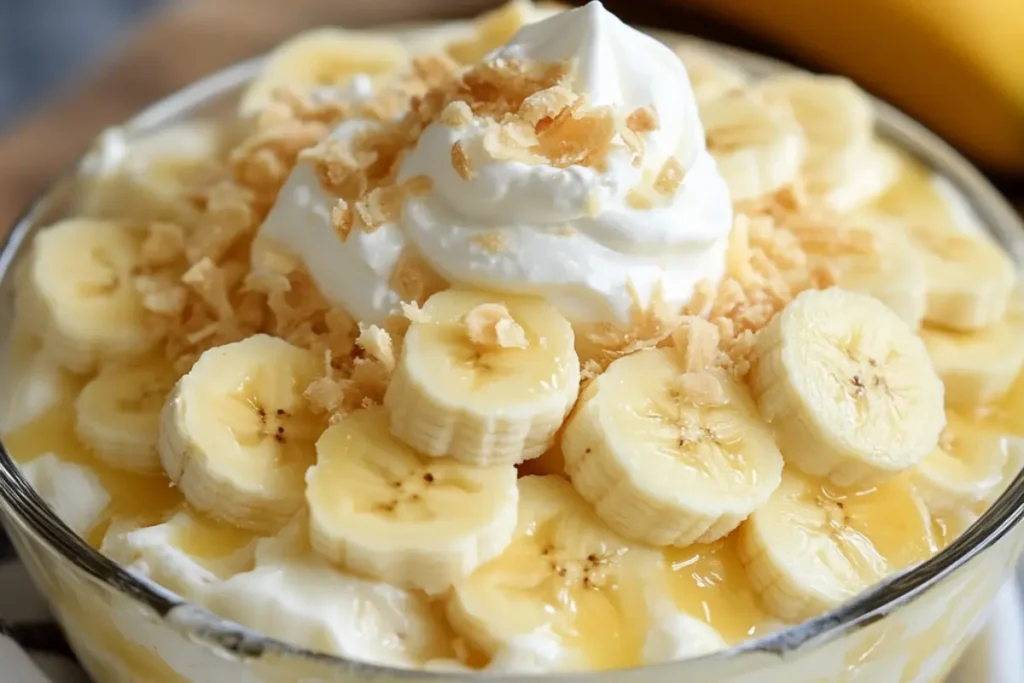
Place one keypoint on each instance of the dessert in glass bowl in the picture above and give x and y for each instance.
(545, 347)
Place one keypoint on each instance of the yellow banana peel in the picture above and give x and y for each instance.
(955, 65)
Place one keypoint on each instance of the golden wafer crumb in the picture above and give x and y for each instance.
(493, 325)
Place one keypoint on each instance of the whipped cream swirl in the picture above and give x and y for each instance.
(571, 234)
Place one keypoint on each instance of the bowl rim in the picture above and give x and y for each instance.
(27, 507)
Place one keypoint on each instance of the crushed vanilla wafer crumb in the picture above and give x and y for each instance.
(642, 120)
(696, 341)
(460, 162)
(342, 219)
(493, 325)
(493, 241)
(413, 313)
(377, 344)
(670, 177)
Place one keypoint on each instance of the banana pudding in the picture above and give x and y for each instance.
(541, 346)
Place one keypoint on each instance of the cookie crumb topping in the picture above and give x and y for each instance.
(492, 325)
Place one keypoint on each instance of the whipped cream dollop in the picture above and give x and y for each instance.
(574, 234)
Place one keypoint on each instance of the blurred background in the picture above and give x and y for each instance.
(44, 44)
(70, 67)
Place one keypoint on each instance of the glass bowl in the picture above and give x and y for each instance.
(126, 629)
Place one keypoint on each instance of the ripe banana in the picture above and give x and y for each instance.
(969, 277)
(710, 78)
(117, 414)
(321, 58)
(237, 434)
(382, 510)
(73, 491)
(663, 464)
(567, 578)
(978, 368)
(186, 554)
(956, 69)
(964, 468)
(848, 387)
(297, 597)
(150, 178)
(888, 267)
(812, 546)
(484, 378)
(491, 30)
(79, 296)
(844, 167)
(757, 144)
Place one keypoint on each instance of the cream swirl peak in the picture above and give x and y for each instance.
(592, 188)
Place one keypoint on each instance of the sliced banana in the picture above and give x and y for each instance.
(117, 414)
(710, 77)
(78, 294)
(484, 378)
(299, 598)
(757, 144)
(847, 386)
(151, 178)
(812, 546)
(970, 278)
(978, 368)
(186, 554)
(661, 465)
(323, 57)
(964, 468)
(568, 579)
(380, 509)
(889, 268)
(491, 30)
(237, 435)
(844, 167)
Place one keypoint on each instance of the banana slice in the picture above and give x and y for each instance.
(757, 145)
(78, 294)
(486, 379)
(151, 178)
(297, 597)
(662, 464)
(592, 599)
(710, 78)
(492, 30)
(323, 57)
(844, 167)
(848, 387)
(382, 510)
(186, 554)
(117, 414)
(812, 546)
(964, 468)
(970, 278)
(978, 368)
(870, 253)
(236, 433)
